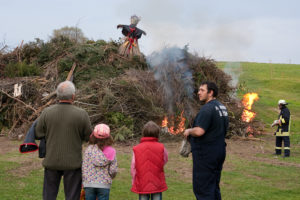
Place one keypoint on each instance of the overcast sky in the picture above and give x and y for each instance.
(225, 30)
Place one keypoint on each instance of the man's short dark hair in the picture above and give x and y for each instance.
(211, 86)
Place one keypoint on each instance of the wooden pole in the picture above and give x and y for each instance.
(70, 75)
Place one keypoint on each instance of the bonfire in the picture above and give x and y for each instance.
(248, 115)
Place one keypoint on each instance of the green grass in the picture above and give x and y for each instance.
(244, 179)
(256, 180)
(19, 186)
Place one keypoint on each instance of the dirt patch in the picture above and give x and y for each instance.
(253, 176)
(178, 163)
(7, 145)
(27, 161)
(25, 168)
(248, 149)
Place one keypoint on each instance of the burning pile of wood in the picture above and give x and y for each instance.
(124, 93)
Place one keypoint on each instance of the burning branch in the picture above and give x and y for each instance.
(180, 127)
(248, 101)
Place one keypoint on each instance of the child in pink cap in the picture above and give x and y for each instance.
(99, 165)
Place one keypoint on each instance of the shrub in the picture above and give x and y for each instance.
(123, 125)
(21, 69)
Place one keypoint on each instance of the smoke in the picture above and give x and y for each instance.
(234, 70)
(173, 76)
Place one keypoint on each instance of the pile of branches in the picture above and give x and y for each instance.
(121, 92)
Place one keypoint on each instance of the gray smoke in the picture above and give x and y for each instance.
(174, 77)
(234, 70)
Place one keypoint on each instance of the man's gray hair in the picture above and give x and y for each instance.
(65, 90)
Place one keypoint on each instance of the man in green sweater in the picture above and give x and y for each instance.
(65, 127)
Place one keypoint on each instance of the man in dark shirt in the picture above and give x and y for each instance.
(207, 139)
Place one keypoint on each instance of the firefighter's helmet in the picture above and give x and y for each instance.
(282, 102)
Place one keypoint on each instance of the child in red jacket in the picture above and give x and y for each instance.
(147, 166)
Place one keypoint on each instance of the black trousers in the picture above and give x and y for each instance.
(207, 167)
(72, 184)
(286, 142)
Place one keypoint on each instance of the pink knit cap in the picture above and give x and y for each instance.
(101, 131)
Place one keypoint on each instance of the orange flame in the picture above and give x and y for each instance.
(248, 101)
(249, 130)
(180, 128)
(248, 116)
(164, 122)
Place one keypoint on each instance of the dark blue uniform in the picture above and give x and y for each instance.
(209, 150)
(283, 132)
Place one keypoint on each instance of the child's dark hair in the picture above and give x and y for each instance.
(101, 143)
(151, 129)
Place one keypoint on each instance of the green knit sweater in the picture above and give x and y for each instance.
(64, 127)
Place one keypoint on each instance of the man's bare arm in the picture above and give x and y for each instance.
(196, 132)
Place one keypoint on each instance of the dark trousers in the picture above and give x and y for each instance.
(286, 142)
(207, 167)
(72, 184)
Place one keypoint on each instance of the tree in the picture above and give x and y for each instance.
(73, 33)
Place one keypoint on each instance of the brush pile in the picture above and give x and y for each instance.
(124, 93)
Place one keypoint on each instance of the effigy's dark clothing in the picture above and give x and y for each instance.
(132, 31)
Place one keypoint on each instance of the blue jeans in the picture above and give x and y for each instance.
(100, 193)
(155, 196)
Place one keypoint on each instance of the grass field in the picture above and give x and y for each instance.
(250, 170)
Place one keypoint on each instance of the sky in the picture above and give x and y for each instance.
(233, 30)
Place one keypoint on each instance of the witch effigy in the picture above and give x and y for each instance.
(130, 47)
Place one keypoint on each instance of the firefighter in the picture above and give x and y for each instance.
(283, 129)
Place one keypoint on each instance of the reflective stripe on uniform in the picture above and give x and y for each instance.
(283, 121)
(279, 133)
(287, 148)
(290, 121)
(278, 147)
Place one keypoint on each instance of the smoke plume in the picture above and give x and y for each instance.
(173, 76)
(234, 70)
